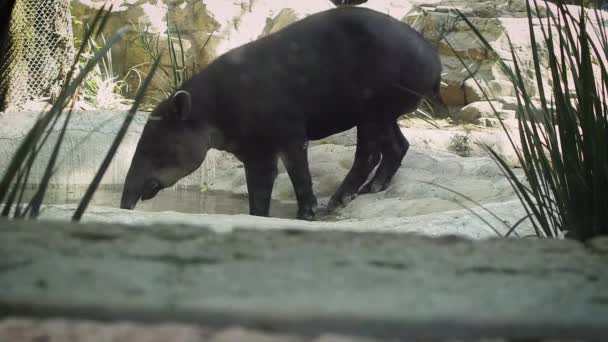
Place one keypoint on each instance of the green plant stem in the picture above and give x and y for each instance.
(114, 147)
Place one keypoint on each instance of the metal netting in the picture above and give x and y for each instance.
(41, 32)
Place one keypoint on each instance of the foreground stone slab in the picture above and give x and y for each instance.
(365, 284)
(473, 223)
(36, 330)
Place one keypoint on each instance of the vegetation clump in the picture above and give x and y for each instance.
(564, 150)
(15, 179)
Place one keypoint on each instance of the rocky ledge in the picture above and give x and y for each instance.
(288, 280)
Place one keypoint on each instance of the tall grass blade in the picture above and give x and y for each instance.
(23, 159)
(469, 199)
(114, 147)
(14, 192)
(32, 136)
(36, 201)
(563, 141)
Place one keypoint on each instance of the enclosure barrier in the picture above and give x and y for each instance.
(41, 32)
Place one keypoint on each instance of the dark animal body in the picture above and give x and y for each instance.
(265, 100)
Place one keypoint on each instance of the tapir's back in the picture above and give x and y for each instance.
(332, 69)
(372, 35)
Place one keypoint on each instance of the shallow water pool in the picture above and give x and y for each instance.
(187, 201)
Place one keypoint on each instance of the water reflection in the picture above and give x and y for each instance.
(191, 201)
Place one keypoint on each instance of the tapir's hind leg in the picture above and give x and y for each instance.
(367, 157)
(394, 146)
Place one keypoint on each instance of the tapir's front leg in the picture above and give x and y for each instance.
(294, 157)
(260, 171)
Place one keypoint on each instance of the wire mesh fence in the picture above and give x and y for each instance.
(41, 32)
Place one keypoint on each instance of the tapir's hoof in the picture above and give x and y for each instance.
(308, 212)
(372, 188)
(308, 216)
(336, 202)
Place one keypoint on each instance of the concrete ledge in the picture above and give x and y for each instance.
(365, 284)
(87, 140)
(90, 134)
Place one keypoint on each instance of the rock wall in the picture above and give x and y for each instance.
(208, 28)
(504, 24)
(87, 140)
(212, 27)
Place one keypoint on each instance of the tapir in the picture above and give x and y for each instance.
(265, 100)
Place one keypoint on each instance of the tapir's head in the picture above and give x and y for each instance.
(172, 146)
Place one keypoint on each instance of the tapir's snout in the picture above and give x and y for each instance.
(129, 199)
(131, 194)
(140, 184)
(134, 191)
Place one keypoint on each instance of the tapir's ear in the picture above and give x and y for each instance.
(181, 105)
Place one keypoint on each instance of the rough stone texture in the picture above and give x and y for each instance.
(414, 191)
(88, 138)
(476, 112)
(90, 134)
(496, 20)
(330, 164)
(60, 330)
(473, 92)
(228, 23)
(414, 202)
(441, 25)
(382, 285)
(231, 24)
(433, 219)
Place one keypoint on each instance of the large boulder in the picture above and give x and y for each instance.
(504, 24)
(456, 41)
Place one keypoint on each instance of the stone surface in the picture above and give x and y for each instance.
(478, 112)
(291, 281)
(208, 28)
(430, 219)
(414, 202)
(491, 122)
(473, 92)
(496, 20)
(501, 88)
(88, 138)
(473, 112)
(60, 330)
(231, 24)
(90, 134)
(415, 191)
(452, 93)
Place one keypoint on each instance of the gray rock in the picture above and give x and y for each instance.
(491, 122)
(508, 102)
(30, 330)
(473, 112)
(87, 140)
(472, 91)
(501, 88)
(383, 285)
